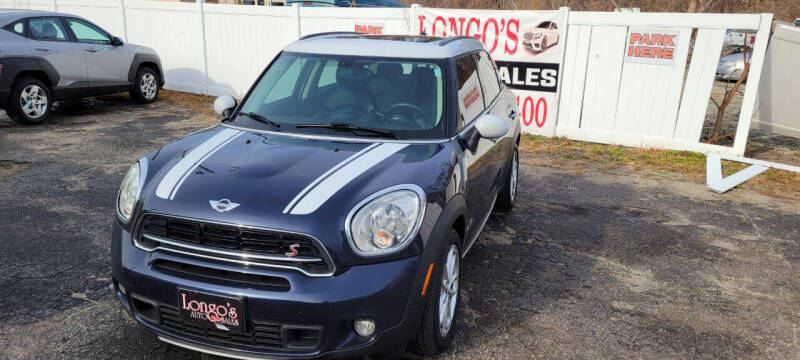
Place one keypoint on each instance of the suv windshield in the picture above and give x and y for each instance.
(348, 96)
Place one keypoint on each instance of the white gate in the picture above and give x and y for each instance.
(608, 99)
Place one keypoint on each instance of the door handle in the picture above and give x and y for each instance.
(513, 115)
(91, 50)
(42, 49)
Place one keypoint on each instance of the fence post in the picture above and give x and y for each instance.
(296, 11)
(124, 20)
(759, 51)
(412, 16)
(201, 9)
(563, 42)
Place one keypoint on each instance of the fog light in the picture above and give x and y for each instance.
(122, 289)
(364, 327)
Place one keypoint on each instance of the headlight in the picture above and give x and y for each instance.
(537, 35)
(129, 192)
(386, 221)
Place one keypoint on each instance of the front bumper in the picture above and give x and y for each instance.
(328, 305)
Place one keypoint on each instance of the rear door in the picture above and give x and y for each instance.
(48, 39)
(108, 65)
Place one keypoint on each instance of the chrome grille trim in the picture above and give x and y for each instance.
(235, 257)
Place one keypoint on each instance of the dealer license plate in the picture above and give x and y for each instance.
(211, 311)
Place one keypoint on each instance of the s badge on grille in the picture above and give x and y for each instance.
(223, 205)
(293, 250)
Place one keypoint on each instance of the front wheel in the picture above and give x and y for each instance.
(145, 86)
(505, 201)
(30, 101)
(439, 315)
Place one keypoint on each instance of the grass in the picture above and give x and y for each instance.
(579, 156)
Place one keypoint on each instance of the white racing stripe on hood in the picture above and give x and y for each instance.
(172, 181)
(322, 189)
(325, 175)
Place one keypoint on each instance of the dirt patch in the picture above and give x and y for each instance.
(12, 167)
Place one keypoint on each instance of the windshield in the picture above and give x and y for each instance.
(402, 98)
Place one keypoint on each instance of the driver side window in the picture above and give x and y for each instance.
(88, 33)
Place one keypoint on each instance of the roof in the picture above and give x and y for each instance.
(10, 15)
(400, 46)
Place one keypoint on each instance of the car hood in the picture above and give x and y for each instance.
(281, 182)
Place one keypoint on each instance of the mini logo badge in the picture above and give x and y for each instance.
(293, 250)
(223, 205)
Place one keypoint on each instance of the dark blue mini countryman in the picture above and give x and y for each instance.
(327, 214)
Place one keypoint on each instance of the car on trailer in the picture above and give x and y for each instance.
(328, 213)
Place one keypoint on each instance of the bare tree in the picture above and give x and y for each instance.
(729, 94)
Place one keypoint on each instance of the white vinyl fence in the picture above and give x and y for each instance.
(215, 49)
(604, 94)
(607, 98)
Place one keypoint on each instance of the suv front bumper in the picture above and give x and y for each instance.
(326, 306)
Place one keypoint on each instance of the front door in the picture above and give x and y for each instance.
(49, 40)
(108, 65)
(479, 168)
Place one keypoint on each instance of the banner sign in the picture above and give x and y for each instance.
(527, 47)
(368, 27)
(651, 46)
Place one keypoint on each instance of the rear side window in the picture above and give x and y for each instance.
(17, 27)
(470, 94)
(47, 29)
(488, 74)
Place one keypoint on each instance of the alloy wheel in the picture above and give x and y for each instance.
(448, 295)
(148, 86)
(33, 101)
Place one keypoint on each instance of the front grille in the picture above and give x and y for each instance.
(259, 335)
(232, 243)
(202, 273)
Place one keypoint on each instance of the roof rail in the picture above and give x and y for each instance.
(329, 33)
(448, 40)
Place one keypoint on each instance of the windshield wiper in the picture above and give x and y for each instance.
(260, 118)
(349, 127)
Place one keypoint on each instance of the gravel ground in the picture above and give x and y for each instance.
(590, 264)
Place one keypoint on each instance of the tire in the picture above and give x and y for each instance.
(145, 86)
(507, 196)
(544, 44)
(432, 338)
(30, 101)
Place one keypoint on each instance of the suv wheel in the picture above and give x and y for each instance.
(145, 86)
(505, 201)
(30, 101)
(439, 315)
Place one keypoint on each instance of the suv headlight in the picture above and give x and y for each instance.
(386, 221)
(129, 190)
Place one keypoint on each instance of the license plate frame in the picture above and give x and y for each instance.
(205, 310)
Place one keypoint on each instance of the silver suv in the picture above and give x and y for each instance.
(47, 56)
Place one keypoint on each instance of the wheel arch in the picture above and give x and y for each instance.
(452, 217)
(146, 60)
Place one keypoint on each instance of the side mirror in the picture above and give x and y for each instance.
(116, 41)
(491, 127)
(224, 105)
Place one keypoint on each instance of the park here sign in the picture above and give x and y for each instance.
(651, 46)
